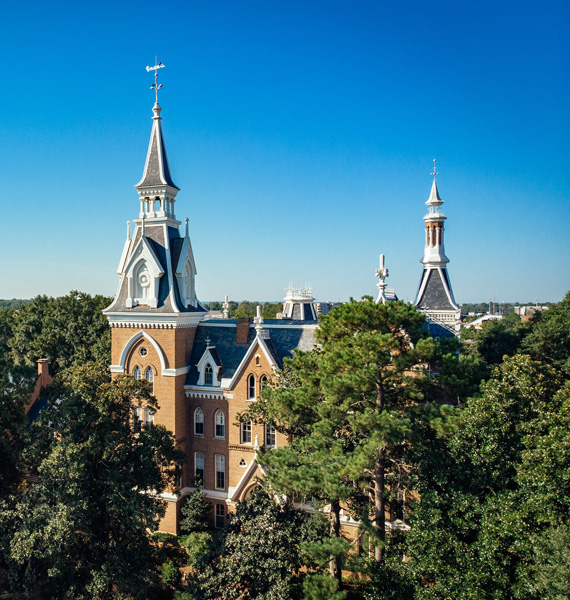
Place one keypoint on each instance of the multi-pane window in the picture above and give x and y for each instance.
(263, 382)
(269, 436)
(199, 422)
(199, 468)
(220, 424)
(251, 387)
(149, 376)
(142, 417)
(137, 373)
(246, 432)
(220, 472)
(220, 516)
(208, 374)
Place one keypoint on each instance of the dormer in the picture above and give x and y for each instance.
(143, 273)
(209, 368)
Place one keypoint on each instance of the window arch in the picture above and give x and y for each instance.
(263, 382)
(137, 373)
(251, 387)
(220, 424)
(199, 421)
(208, 374)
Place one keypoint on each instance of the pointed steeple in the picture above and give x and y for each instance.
(156, 189)
(435, 296)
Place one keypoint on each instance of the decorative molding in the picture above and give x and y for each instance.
(175, 372)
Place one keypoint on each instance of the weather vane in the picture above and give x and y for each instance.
(155, 85)
(434, 173)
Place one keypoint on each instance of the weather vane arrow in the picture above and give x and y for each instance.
(155, 86)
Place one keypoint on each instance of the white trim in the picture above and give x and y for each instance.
(175, 372)
(154, 320)
(239, 371)
(150, 340)
(116, 369)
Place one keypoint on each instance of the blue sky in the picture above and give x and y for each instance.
(301, 134)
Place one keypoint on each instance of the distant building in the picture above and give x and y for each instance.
(435, 296)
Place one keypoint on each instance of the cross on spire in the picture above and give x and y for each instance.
(434, 170)
(155, 86)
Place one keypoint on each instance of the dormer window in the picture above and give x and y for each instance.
(251, 387)
(208, 374)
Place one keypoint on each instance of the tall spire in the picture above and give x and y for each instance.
(156, 189)
(435, 296)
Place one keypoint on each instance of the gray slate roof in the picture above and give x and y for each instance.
(435, 296)
(284, 338)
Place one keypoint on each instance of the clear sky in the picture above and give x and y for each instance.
(301, 134)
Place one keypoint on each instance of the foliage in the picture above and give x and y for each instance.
(69, 330)
(350, 406)
(195, 512)
(81, 531)
(170, 573)
(492, 491)
(549, 340)
(261, 556)
(199, 547)
(496, 339)
(16, 386)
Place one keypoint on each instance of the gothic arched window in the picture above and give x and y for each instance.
(220, 424)
(251, 387)
(149, 376)
(208, 374)
(137, 373)
(199, 421)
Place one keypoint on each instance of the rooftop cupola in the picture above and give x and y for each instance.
(156, 189)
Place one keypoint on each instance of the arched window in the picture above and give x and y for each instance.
(149, 376)
(246, 432)
(220, 472)
(251, 387)
(208, 374)
(199, 421)
(199, 469)
(269, 436)
(220, 424)
(137, 373)
(263, 382)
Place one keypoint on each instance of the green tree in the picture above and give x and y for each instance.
(195, 512)
(16, 387)
(261, 558)
(350, 406)
(81, 531)
(69, 330)
(491, 493)
(549, 340)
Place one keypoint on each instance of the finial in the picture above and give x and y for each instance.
(155, 85)
(256, 443)
(434, 170)
(208, 340)
(226, 307)
(381, 273)
(258, 320)
(186, 226)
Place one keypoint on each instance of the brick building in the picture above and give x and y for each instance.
(203, 372)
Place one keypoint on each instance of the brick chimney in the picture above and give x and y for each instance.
(242, 330)
(43, 372)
